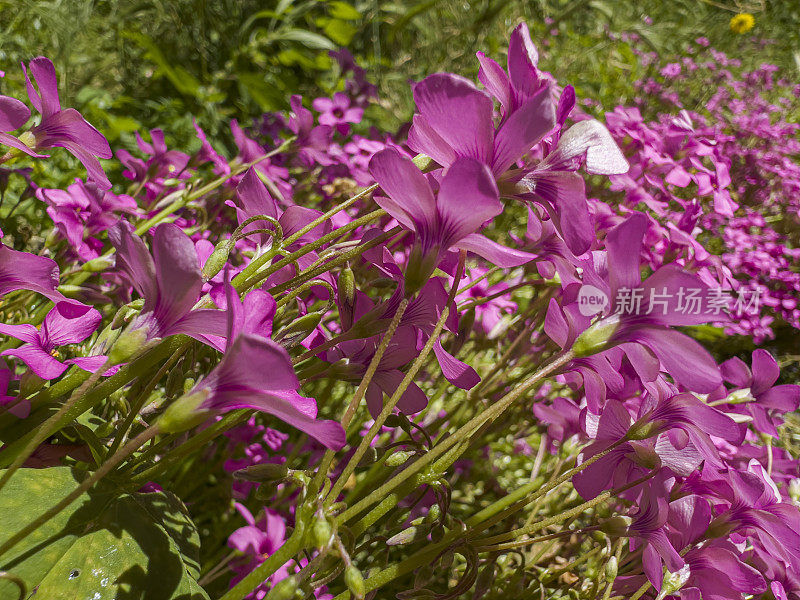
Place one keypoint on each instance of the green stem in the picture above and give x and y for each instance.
(463, 432)
(361, 390)
(127, 373)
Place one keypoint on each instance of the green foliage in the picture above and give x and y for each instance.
(104, 546)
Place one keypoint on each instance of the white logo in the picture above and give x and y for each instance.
(591, 300)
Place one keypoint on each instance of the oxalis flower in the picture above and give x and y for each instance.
(40, 349)
(169, 281)
(254, 373)
(466, 199)
(643, 330)
(64, 128)
(25, 271)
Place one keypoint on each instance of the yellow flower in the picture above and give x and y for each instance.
(742, 23)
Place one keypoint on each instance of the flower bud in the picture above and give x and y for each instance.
(262, 472)
(321, 533)
(355, 582)
(596, 338)
(97, 265)
(434, 512)
(794, 490)
(218, 259)
(616, 526)
(285, 589)
(127, 344)
(612, 565)
(398, 458)
(184, 413)
(298, 330)
(424, 163)
(404, 537)
(673, 582)
(346, 288)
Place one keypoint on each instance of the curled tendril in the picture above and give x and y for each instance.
(307, 286)
(276, 233)
(23, 589)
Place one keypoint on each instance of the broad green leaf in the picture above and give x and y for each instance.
(343, 10)
(104, 546)
(339, 31)
(309, 39)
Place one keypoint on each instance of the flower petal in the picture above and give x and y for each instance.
(459, 112)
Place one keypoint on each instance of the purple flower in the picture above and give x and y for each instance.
(455, 121)
(523, 81)
(257, 540)
(25, 271)
(256, 373)
(651, 328)
(20, 408)
(466, 199)
(64, 128)
(770, 400)
(169, 281)
(83, 211)
(312, 141)
(555, 184)
(337, 112)
(39, 350)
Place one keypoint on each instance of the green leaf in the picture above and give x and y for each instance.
(266, 95)
(340, 31)
(104, 546)
(309, 39)
(343, 10)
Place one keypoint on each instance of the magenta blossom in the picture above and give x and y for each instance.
(25, 271)
(766, 400)
(169, 281)
(83, 211)
(257, 373)
(337, 112)
(39, 350)
(466, 199)
(455, 121)
(64, 128)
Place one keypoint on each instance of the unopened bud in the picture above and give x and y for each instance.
(298, 330)
(404, 537)
(434, 512)
(346, 288)
(184, 413)
(285, 589)
(794, 490)
(398, 458)
(612, 565)
(616, 526)
(218, 259)
(97, 265)
(321, 533)
(596, 338)
(423, 162)
(673, 582)
(127, 344)
(355, 582)
(262, 472)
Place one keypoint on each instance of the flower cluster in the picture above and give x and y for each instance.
(439, 279)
